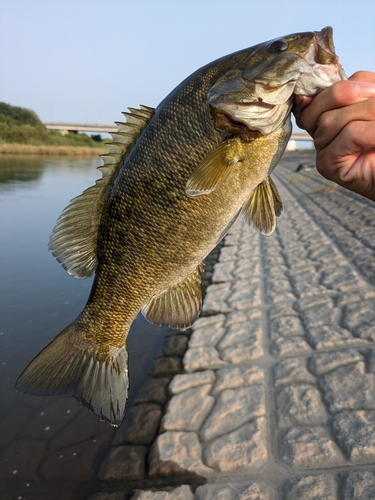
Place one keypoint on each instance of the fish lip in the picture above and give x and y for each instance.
(322, 50)
(324, 38)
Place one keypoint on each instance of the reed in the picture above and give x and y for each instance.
(50, 149)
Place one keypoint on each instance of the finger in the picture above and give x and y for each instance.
(363, 76)
(337, 95)
(300, 103)
(332, 122)
(349, 159)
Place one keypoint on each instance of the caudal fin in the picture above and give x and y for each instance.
(70, 366)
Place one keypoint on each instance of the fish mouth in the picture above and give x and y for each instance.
(324, 47)
(321, 53)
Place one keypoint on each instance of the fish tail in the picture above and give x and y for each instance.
(69, 365)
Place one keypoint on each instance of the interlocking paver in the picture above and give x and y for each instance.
(274, 398)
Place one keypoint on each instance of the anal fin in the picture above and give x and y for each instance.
(180, 305)
(263, 206)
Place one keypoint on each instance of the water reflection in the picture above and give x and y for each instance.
(50, 444)
(15, 169)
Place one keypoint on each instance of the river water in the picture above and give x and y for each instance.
(50, 447)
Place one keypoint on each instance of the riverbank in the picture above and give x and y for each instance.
(52, 149)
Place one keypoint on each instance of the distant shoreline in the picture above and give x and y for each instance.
(49, 149)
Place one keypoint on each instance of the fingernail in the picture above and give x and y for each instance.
(365, 89)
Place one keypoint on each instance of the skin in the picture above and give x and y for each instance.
(341, 120)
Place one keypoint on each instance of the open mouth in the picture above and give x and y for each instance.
(322, 51)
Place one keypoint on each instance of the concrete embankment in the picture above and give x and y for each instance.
(271, 394)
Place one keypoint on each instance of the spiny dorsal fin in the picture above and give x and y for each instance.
(214, 168)
(263, 206)
(180, 305)
(74, 238)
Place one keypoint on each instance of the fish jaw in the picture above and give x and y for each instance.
(259, 93)
(325, 68)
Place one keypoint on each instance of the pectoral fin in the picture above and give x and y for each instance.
(214, 168)
(263, 206)
(180, 305)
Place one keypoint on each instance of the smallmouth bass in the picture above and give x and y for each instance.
(173, 182)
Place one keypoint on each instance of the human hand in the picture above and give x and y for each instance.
(341, 120)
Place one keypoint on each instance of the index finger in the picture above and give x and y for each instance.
(336, 96)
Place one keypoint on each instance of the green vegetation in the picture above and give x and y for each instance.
(21, 126)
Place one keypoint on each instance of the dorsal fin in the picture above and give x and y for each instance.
(74, 238)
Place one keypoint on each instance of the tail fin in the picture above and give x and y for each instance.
(70, 366)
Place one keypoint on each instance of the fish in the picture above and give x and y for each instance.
(173, 182)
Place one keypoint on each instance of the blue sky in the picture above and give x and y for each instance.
(86, 61)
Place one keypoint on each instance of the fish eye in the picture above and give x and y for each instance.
(277, 46)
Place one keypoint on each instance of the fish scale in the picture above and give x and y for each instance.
(174, 181)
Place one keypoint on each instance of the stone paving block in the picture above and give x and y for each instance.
(309, 448)
(188, 410)
(209, 334)
(216, 319)
(233, 408)
(124, 463)
(242, 333)
(290, 346)
(322, 315)
(231, 378)
(359, 485)
(203, 358)
(286, 326)
(349, 388)
(293, 370)
(246, 352)
(365, 332)
(166, 365)
(369, 355)
(330, 337)
(228, 253)
(215, 299)
(355, 432)
(342, 279)
(186, 381)
(321, 487)
(315, 299)
(223, 272)
(177, 453)
(246, 268)
(140, 425)
(242, 450)
(326, 362)
(234, 491)
(244, 294)
(359, 313)
(300, 405)
(181, 493)
(174, 345)
(118, 495)
(282, 309)
(153, 390)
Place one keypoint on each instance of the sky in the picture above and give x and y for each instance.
(86, 61)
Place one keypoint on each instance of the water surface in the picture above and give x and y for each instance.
(50, 447)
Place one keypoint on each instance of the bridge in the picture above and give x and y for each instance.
(64, 128)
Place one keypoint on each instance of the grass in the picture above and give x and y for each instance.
(51, 149)
(22, 132)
